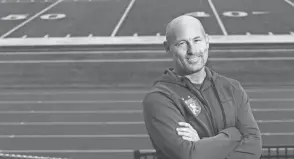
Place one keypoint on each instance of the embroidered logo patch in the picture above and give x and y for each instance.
(193, 105)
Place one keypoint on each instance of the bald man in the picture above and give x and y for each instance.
(193, 112)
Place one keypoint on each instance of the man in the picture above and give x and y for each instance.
(193, 112)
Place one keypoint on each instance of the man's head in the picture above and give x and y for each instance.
(188, 44)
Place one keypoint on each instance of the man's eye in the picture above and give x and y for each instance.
(181, 43)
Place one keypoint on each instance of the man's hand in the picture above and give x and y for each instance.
(187, 132)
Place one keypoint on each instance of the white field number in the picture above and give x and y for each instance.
(52, 16)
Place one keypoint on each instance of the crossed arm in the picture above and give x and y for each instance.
(162, 120)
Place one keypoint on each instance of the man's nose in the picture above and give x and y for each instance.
(192, 49)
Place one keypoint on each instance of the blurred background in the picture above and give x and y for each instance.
(73, 72)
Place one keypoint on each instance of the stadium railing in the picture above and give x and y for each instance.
(268, 152)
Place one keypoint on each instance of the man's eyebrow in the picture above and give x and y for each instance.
(197, 37)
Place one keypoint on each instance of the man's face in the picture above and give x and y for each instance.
(188, 46)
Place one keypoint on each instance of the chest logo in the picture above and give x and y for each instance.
(193, 105)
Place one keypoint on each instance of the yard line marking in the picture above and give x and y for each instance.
(248, 33)
(142, 60)
(78, 136)
(46, 36)
(68, 35)
(24, 36)
(145, 51)
(74, 112)
(270, 33)
(221, 24)
(118, 25)
(135, 34)
(292, 33)
(289, 2)
(30, 19)
(72, 123)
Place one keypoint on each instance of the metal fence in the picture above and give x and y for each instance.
(268, 152)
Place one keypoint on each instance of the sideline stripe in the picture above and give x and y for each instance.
(221, 24)
(141, 40)
(30, 19)
(129, 7)
(289, 2)
(142, 60)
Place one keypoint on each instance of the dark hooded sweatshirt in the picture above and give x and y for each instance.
(219, 111)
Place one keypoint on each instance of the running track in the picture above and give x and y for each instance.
(108, 123)
(45, 114)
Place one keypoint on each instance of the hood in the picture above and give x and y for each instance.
(169, 76)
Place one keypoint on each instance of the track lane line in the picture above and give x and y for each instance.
(123, 101)
(123, 91)
(72, 123)
(142, 60)
(122, 19)
(76, 112)
(78, 136)
(277, 51)
(108, 123)
(115, 135)
(30, 19)
(220, 23)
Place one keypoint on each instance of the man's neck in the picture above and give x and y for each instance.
(198, 77)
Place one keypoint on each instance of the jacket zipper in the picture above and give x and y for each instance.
(204, 103)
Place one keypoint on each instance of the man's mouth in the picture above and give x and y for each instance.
(194, 59)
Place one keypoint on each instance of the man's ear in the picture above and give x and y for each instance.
(166, 46)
